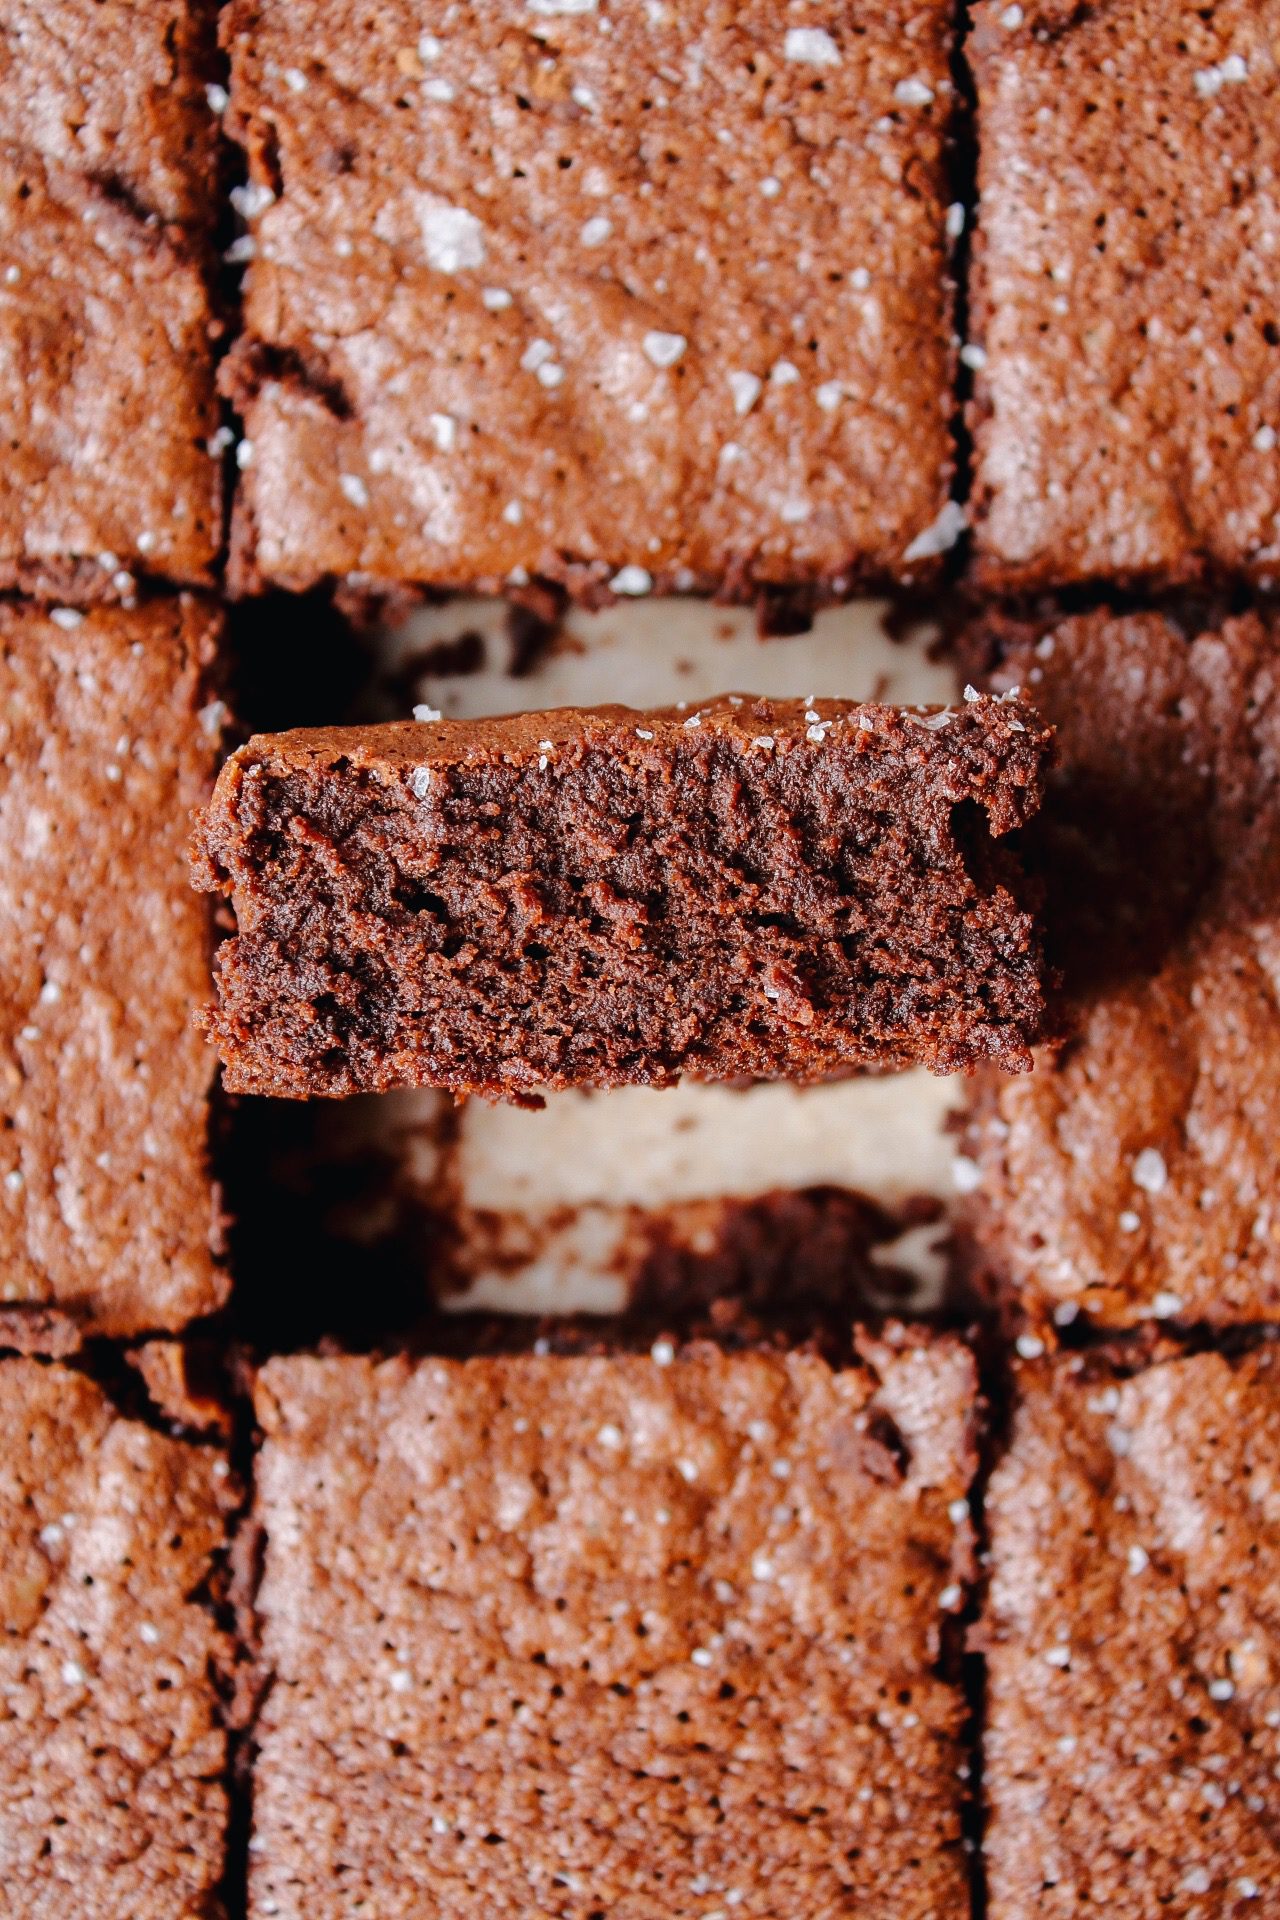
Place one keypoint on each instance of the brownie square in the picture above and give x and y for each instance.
(605, 897)
(1132, 1737)
(1127, 410)
(1134, 1173)
(635, 1633)
(118, 91)
(107, 403)
(112, 1750)
(626, 298)
(108, 733)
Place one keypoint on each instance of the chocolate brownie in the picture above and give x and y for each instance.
(1132, 1632)
(112, 1751)
(609, 896)
(120, 91)
(1135, 1173)
(107, 405)
(622, 297)
(613, 1633)
(108, 734)
(1127, 393)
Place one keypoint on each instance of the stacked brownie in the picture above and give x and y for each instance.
(686, 1573)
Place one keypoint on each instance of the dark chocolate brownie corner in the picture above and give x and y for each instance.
(120, 92)
(1127, 402)
(629, 299)
(1132, 1735)
(608, 897)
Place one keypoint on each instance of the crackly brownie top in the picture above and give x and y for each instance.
(107, 402)
(1135, 1173)
(116, 90)
(111, 1748)
(607, 293)
(1133, 1705)
(997, 747)
(107, 740)
(624, 1633)
(1128, 408)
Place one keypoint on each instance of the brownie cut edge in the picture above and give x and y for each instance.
(611, 897)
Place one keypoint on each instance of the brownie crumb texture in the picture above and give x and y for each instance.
(613, 896)
(628, 299)
(1127, 390)
(631, 1634)
(112, 1753)
(1133, 1698)
(109, 730)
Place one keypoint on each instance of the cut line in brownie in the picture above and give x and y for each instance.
(1132, 1728)
(1126, 340)
(630, 1633)
(1134, 1175)
(623, 299)
(612, 896)
(113, 1754)
(109, 732)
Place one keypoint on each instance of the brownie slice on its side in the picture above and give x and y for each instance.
(108, 736)
(112, 1752)
(1124, 291)
(1135, 1173)
(610, 896)
(1132, 1736)
(634, 1633)
(624, 297)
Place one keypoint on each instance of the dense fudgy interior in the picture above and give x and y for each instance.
(756, 894)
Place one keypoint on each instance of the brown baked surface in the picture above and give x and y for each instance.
(1133, 1694)
(115, 90)
(107, 401)
(598, 897)
(1137, 1174)
(596, 1634)
(112, 1799)
(604, 175)
(1124, 291)
(106, 744)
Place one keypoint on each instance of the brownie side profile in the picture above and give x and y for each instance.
(107, 402)
(1127, 398)
(629, 299)
(107, 742)
(1134, 1173)
(1132, 1734)
(608, 896)
(624, 1633)
(112, 1751)
(116, 90)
